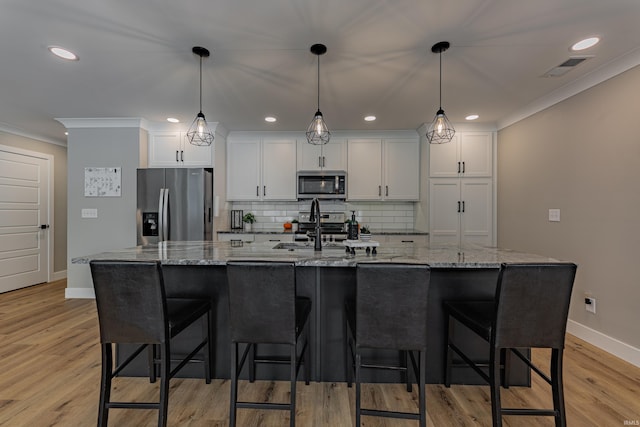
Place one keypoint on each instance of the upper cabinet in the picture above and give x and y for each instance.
(469, 154)
(383, 169)
(169, 149)
(261, 168)
(331, 156)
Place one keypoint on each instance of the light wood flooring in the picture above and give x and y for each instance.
(50, 374)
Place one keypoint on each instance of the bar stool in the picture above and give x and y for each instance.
(390, 312)
(133, 309)
(264, 308)
(529, 311)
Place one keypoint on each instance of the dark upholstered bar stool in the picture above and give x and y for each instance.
(264, 308)
(133, 309)
(529, 311)
(390, 312)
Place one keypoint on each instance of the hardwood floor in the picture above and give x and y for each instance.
(50, 374)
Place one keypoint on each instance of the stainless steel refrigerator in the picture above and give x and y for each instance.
(174, 204)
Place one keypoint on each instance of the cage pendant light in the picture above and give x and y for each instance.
(440, 130)
(199, 132)
(317, 132)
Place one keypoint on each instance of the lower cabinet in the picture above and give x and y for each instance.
(461, 211)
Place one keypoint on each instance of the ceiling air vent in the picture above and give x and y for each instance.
(566, 66)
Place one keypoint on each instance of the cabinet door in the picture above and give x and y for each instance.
(443, 159)
(364, 173)
(279, 169)
(401, 170)
(196, 155)
(444, 207)
(331, 156)
(243, 169)
(476, 154)
(164, 149)
(476, 219)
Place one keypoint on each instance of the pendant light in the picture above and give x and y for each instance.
(199, 132)
(440, 130)
(317, 132)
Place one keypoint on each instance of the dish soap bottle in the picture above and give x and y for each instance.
(352, 230)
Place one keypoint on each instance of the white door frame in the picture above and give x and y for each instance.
(50, 221)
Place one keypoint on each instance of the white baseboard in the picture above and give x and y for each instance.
(611, 345)
(58, 275)
(79, 293)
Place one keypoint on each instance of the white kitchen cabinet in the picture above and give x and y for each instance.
(383, 169)
(261, 168)
(331, 156)
(469, 154)
(168, 149)
(460, 211)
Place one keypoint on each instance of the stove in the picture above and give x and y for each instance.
(331, 226)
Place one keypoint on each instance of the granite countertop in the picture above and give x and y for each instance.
(381, 233)
(218, 253)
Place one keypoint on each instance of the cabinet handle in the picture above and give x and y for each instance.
(463, 206)
(463, 167)
(407, 241)
(458, 167)
(258, 190)
(458, 206)
(264, 190)
(177, 159)
(323, 161)
(386, 190)
(379, 190)
(181, 156)
(319, 161)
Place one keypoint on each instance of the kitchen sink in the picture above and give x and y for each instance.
(309, 245)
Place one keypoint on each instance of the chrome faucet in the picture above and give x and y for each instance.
(315, 216)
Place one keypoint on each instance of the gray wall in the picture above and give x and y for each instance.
(59, 154)
(581, 156)
(115, 227)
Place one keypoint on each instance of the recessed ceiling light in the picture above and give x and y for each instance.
(370, 118)
(586, 43)
(172, 120)
(63, 53)
(472, 117)
(270, 119)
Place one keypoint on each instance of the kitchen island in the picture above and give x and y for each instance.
(328, 277)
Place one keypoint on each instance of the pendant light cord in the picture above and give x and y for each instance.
(318, 82)
(201, 84)
(440, 79)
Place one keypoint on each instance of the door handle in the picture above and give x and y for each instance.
(458, 206)
(44, 226)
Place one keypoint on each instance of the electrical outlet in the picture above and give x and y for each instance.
(590, 304)
(554, 215)
(89, 213)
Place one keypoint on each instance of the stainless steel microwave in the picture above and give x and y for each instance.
(322, 185)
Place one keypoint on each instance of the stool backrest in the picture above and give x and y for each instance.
(131, 303)
(533, 304)
(262, 301)
(391, 305)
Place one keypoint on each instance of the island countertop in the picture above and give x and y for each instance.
(219, 253)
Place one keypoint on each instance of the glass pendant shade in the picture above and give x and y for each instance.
(199, 132)
(440, 130)
(317, 132)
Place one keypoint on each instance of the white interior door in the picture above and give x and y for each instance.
(24, 219)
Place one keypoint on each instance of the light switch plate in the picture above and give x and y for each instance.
(89, 213)
(554, 215)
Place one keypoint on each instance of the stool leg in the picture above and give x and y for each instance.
(506, 363)
(293, 364)
(253, 350)
(233, 398)
(165, 370)
(105, 384)
(494, 384)
(358, 361)
(421, 388)
(557, 387)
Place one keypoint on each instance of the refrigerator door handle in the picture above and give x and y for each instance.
(160, 215)
(165, 214)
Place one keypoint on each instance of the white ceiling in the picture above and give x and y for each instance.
(136, 59)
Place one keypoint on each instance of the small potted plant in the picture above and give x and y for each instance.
(365, 233)
(248, 219)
